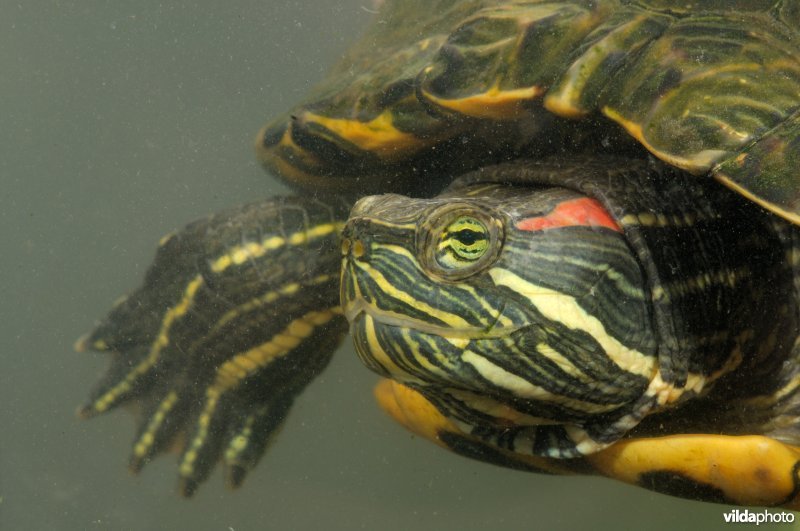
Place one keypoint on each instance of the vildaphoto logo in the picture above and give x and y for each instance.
(746, 516)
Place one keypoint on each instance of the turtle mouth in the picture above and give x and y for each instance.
(356, 309)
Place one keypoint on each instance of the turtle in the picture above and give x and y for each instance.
(564, 232)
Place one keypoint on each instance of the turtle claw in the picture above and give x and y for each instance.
(187, 487)
(234, 476)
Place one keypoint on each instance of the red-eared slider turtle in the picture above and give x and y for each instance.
(598, 273)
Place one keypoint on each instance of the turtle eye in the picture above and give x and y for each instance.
(457, 240)
(462, 242)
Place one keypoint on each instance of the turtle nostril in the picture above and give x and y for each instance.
(358, 249)
(353, 247)
(357, 239)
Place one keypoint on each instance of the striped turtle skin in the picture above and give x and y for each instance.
(564, 287)
(607, 302)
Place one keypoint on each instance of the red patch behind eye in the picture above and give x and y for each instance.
(583, 212)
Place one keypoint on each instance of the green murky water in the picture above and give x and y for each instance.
(118, 124)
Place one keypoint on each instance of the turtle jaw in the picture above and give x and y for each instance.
(460, 368)
(359, 308)
(468, 389)
(383, 336)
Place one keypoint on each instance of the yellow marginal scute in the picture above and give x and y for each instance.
(794, 217)
(749, 470)
(494, 104)
(289, 160)
(378, 136)
(563, 103)
(699, 163)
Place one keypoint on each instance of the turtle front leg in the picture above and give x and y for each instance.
(236, 315)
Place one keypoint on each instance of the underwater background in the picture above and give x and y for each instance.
(121, 123)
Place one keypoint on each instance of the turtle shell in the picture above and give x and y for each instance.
(438, 88)
(712, 88)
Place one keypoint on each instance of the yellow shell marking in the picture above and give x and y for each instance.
(289, 160)
(698, 163)
(794, 217)
(417, 414)
(494, 104)
(378, 136)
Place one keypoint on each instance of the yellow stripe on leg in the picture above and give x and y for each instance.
(240, 254)
(110, 397)
(234, 371)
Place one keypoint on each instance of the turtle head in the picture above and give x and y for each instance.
(507, 307)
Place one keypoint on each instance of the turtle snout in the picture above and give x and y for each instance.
(377, 221)
(356, 240)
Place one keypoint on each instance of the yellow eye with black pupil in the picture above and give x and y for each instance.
(463, 241)
(468, 244)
